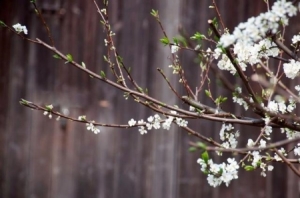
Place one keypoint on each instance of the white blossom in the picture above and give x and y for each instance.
(19, 28)
(131, 122)
(191, 108)
(103, 11)
(82, 118)
(270, 167)
(282, 107)
(262, 143)
(273, 106)
(296, 39)
(297, 150)
(48, 113)
(256, 158)
(174, 49)
(282, 151)
(250, 143)
(268, 130)
(291, 69)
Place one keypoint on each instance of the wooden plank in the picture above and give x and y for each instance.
(14, 152)
(44, 158)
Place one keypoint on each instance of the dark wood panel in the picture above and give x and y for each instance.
(48, 158)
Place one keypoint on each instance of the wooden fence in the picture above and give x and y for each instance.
(42, 158)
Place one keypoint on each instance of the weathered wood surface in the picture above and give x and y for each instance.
(45, 158)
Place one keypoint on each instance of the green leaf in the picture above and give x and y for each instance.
(207, 92)
(215, 22)
(220, 171)
(103, 22)
(209, 32)
(126, 95)
(201, 145)
(69, 58)
(24, 102)
(198, 36)
(217, 39)
(82, 118)
(175, 40)
(2, 24)
(220, 100)
(192, 149)
(102, 74)
(120, 59)
(141, 89)
(105, 58)
(154, 13)
(205, 156)
(56, 56)
(268, 158)
(249, 168)
(180, 40)
(165, 41)
(32, 1)
(105, 2)
(83, 64)
(224, 99)
(49, 107)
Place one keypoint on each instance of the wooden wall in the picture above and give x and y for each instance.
(49, 159)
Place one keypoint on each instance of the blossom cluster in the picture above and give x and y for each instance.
(238, 100)
(219, 173)
(246, 54)
(281, 151)
(249, 43)
(228, 136)
(256, 28)
(48, 111)
(276, 107)
(290, 134)
(257, 162)
(257, 159)
(91, 127)
(156, 122)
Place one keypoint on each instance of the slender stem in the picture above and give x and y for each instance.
(292, 167)
(44, 23)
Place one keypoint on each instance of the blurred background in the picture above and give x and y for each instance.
(43, 158)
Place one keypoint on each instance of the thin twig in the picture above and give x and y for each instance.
(218, 13)
(44, 23)
(292, 167)
(170, 86)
